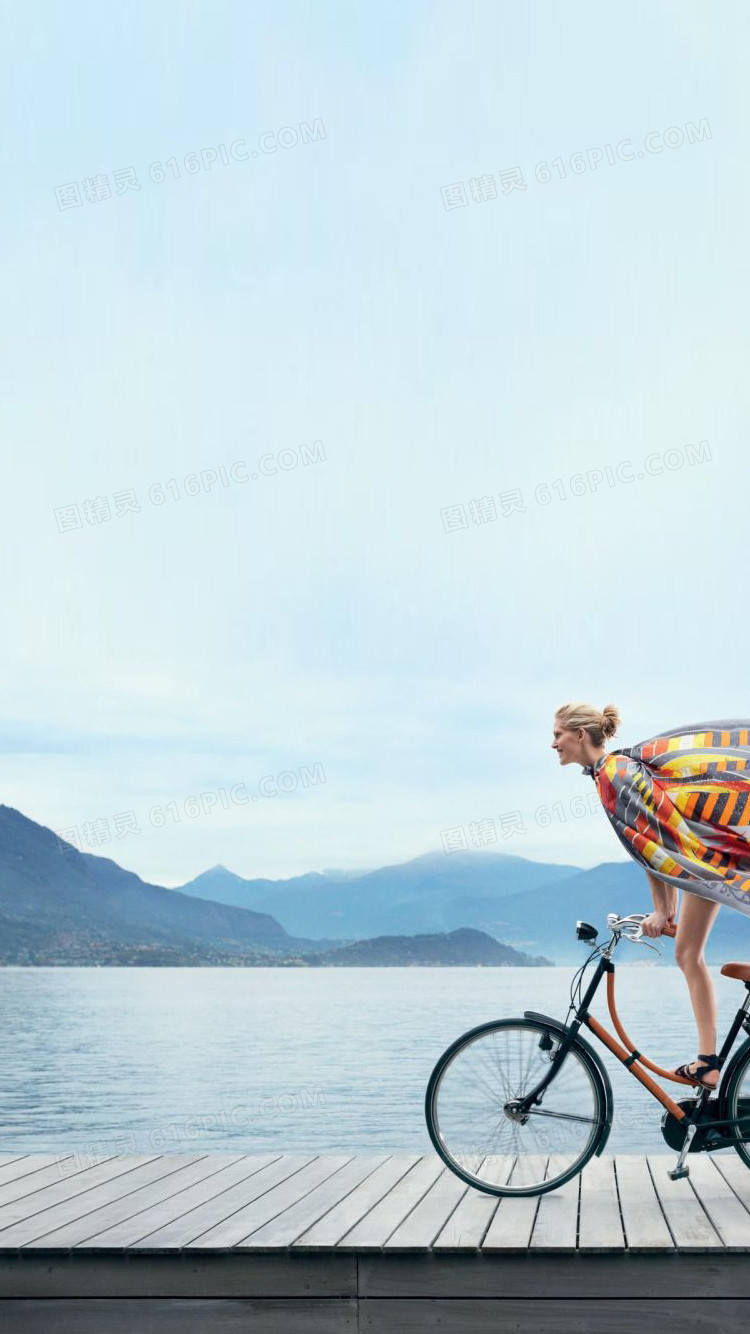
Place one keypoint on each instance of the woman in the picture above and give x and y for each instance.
(680, 803)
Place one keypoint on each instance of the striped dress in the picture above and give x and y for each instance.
(680, 803)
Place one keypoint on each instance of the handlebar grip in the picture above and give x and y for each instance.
(669, 930)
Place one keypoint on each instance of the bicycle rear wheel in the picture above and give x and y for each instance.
(737, 1104)
(488, 1145)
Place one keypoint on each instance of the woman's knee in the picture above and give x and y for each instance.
(688, 959)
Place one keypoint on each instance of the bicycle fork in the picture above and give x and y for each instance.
(567, 1037)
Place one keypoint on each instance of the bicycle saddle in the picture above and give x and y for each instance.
(738, 970)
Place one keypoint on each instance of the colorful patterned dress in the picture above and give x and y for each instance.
(680, 803)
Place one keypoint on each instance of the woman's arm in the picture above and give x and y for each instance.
(665, 905)
(663, 894)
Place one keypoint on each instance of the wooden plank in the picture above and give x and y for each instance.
(547, 1277)
(329, 1230)
(600, 1224)
(736, 1173)
(40, 1179)
(689, 1226)
(68, 1189)
(28, 1229)
(643, 1219)
(188, 1171)
(128, 1232)
(285, 1227)
(10, 1159)
(319, 1315)
(21, 1168)
(98, 1274)
(189, 1226)
(513, 1221)
(556, 1222)
(373, 1231)
(468, 1224)
(727, 1213)
(233, 1231)
(629, 1315)
(419, 1229)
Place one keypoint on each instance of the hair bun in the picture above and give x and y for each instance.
(610, 720)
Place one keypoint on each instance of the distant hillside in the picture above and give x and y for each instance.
(530, 906)
(65, 907)
(465, 948)
(547, 921)
(53, 900)
(435, 892)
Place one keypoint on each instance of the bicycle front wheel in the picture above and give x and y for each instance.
(481, 1139)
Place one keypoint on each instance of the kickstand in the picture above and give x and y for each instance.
(680, 1170)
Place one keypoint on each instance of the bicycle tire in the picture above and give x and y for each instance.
(735, 1101)
(578, 1051)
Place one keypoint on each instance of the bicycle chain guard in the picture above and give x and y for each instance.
(705, 1139)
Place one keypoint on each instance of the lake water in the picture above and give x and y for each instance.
(182, 1060)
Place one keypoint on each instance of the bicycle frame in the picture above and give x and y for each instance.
(633, 1059)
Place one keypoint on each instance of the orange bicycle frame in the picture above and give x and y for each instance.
(632, 1058)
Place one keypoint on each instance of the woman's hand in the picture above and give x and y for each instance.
(654, 924)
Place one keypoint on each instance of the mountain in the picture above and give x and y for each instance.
(437, 891)
(62, 907)
(546, 922)
(464, 948)
(50, 893)
(528, 905)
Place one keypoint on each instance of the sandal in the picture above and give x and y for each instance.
(706, 1062)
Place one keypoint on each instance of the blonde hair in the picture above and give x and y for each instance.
(599, 724)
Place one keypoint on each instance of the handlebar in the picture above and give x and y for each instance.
(630, 927)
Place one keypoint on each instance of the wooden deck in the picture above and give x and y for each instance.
(229, 1242)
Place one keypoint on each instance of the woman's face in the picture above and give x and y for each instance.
(568, 744)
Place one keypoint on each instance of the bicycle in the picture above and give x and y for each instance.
(483, 1103)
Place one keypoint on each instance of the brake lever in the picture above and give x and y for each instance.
(638, 936)
(640, 939)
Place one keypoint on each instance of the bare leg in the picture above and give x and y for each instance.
(697, 916)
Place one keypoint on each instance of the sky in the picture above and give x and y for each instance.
(373, 382)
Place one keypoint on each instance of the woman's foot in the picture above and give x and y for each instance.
(705, 1070)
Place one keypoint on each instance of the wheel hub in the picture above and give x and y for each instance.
(515, 1112)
